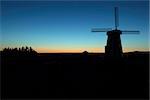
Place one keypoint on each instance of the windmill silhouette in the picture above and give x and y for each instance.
(113, 48)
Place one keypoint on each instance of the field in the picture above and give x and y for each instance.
(75, 75)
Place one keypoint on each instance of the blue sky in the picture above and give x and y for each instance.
(65, 26)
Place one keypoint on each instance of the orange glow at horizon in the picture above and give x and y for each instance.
(135, 49)
(80, 50)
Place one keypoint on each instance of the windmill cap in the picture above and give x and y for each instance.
(114, 32)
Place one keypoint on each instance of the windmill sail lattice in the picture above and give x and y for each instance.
(113, 48)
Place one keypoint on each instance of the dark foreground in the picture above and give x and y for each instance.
(75, 76)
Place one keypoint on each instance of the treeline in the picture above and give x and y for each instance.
(23, 51)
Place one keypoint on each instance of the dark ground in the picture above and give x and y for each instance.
(75, 76)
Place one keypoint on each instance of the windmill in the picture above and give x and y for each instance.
(113, 48)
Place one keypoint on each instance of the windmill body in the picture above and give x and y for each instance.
(113, 48)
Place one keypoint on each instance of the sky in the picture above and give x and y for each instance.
(65, 26)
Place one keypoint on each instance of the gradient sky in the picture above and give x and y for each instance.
(65, 26)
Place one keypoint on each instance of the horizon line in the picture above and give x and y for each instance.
(89, 52)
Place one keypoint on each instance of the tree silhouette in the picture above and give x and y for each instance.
(23, 51)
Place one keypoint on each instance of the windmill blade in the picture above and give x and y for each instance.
(130, 32)
(116, 17)
(101, 29)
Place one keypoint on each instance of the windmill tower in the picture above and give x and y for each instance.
(113, 48)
